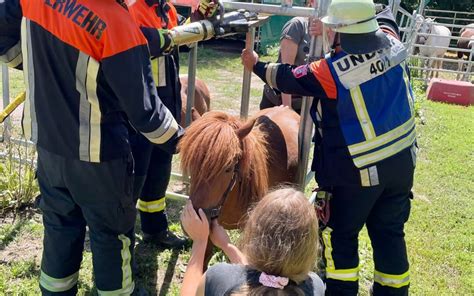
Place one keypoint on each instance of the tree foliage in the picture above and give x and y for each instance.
(454, 5)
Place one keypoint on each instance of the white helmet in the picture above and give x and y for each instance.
(357, 26)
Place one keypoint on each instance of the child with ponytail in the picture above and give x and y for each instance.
(278, 250)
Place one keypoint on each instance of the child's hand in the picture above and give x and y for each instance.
(197, 227)
(219, 236)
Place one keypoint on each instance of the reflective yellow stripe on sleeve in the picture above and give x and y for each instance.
(165, 131)
(152, 206)
(160, 67)
(362, 113)
(13, 57)
(58, 285)
(270, 74)
(392, 280)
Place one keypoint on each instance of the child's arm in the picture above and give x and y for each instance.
(197, 228)
(234, 254)
(221, 240)
(194, 271)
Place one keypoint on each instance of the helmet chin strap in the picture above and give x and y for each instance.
(335, 43)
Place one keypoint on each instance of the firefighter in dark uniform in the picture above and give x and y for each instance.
(87, 74)
(364, 142)
(153, 165)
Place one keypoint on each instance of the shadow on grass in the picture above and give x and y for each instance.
(155, 266)
(168, 278)
(149, 263)
(11, 232)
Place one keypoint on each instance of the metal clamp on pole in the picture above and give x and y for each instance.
(306, 124)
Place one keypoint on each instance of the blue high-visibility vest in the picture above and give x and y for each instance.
(374, 103)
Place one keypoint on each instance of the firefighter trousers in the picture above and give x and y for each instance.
(75, 194)
(152, 176)
(384, 209)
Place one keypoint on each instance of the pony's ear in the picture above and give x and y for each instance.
(195, 114)
(246, 128)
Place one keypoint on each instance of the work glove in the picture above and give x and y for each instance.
(166, 41)
(207, 8)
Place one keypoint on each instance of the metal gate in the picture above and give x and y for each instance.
(455, 68)
(408, 26)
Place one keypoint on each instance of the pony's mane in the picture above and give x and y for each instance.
(211, 145)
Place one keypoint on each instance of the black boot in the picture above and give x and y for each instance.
(165, 239)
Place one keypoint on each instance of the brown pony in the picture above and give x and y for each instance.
(232, 164)
(202, 97)
(466, 42)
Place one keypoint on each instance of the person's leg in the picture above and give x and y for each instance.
(141, 151)
(385, 225)
(152, 202)
(104, 193)
(266, 102)
(64, 229)
(349, 208)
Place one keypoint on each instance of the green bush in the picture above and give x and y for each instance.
(18, 186)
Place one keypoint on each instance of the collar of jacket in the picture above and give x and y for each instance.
(152, 2)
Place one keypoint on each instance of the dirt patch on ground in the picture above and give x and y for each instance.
(26, 247)
(22, 241)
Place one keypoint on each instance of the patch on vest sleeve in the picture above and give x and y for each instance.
(300, 71)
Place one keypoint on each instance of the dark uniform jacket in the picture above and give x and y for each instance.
(153, 18)
(87, 72)
(332, 161)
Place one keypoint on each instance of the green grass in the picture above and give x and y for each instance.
(439, 234)
(16, 82)
(223, 72)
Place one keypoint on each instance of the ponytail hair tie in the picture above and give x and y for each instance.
(272, 281)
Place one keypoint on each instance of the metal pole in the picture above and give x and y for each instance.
(467, 76)
(395, 5)
(176, 196)
(6, 101)
(421, 8)
(270, 9)
(244, 106)
(191, 83)
(190, 99)
(306, 125)
(412, 35)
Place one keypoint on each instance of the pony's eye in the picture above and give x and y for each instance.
(228, 170)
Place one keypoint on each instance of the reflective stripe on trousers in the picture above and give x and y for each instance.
(58, 285)
(392, 280)
(128, 285)
(351, 274)
(152, 206)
